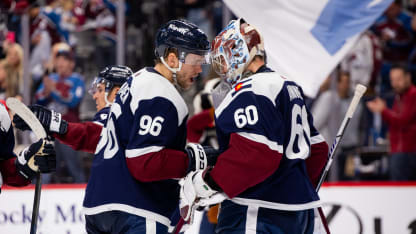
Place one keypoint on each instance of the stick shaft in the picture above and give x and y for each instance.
(178, 226)
(359, 91)
(36, 202)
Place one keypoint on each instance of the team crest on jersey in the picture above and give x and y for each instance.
(241, 85)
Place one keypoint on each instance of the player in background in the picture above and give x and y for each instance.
(272, 154)
(132, 187)
(201, 129)
(201, 126)
(83, 136)
(15, 170)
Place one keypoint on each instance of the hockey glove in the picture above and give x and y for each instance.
(39, 156)
(200, 157)
(51, 121)
(193, 188)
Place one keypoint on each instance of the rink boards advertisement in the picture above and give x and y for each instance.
(351, 208)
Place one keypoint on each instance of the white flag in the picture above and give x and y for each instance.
(306, 39)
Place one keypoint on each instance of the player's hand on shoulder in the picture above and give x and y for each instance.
(51, 121)
(39, 156)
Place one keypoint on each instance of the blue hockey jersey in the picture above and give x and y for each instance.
(146, 126)
(101, 116)
(266, 133)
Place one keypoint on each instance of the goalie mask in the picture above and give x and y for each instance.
(234, 48)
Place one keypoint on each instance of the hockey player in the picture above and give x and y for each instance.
(272, 154)
(83, 136)
(16, 171)
(141, 149)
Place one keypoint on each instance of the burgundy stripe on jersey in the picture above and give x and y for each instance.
(244, 164)
(10, 174)
(161, 165)
(316, 162)
(81, 136)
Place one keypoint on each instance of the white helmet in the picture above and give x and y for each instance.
(234, 48)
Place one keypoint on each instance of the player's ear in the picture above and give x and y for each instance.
(113, 94)
(172, 60)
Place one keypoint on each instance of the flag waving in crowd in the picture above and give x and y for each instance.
(306, 40)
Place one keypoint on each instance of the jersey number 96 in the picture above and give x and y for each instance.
(149, 125)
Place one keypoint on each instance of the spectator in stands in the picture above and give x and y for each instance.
(329, 111)
(13, 66)
(101, 16)
(395, 31)
(57, 47)
(62, 92)
(359, 61)
(401, 119)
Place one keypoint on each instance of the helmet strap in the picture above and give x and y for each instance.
(107, 103)
(173, 70)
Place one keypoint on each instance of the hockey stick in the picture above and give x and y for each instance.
(358, 93)
(26, 114)
(178, 226)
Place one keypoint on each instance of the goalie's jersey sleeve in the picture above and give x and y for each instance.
(146, 123)
(266, 132)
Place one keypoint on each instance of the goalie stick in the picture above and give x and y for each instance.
(358, 93)
(26, 114)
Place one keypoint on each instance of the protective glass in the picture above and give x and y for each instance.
(194, 59)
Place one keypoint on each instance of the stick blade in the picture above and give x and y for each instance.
(27, 115)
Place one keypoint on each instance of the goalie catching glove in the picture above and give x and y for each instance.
(39, 156)
(200, 157)
(51, 121)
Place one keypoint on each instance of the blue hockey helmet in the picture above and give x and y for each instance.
(111, 76)
(187, 38)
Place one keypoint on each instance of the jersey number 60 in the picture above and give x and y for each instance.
(244, 116)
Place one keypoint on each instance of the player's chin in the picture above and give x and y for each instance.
(186, 85)
(99, 107)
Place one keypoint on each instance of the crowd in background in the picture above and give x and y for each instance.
(71, 40)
